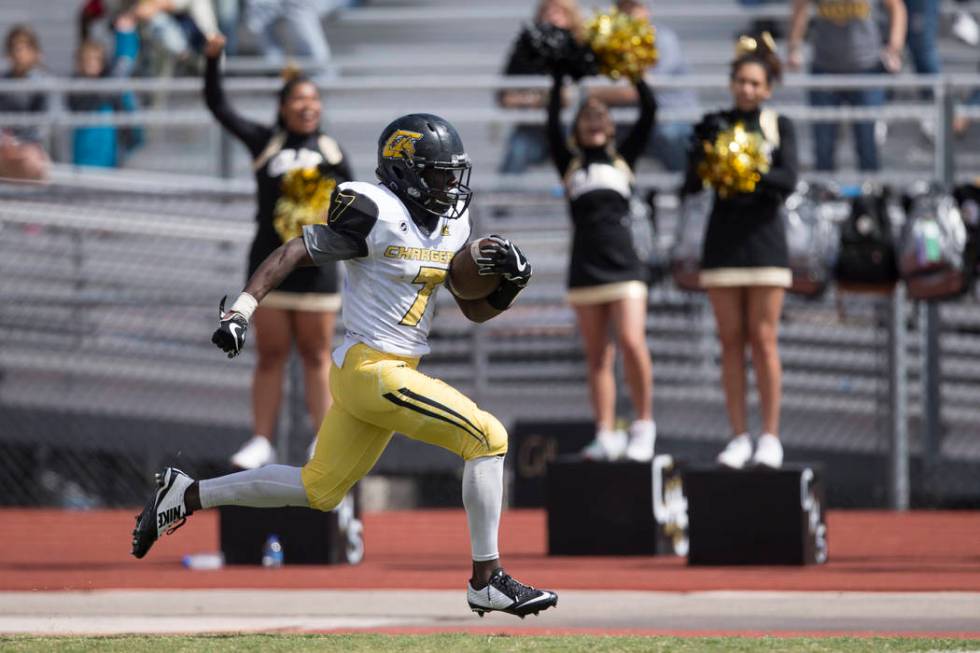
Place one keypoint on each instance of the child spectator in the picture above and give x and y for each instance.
(104, 145)
(21, 153)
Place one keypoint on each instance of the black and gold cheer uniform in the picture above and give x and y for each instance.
(604, 266)
(745, 242)
(296, 175)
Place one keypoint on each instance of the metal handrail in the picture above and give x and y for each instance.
(472, 82)
(372, 16)
(163, 117)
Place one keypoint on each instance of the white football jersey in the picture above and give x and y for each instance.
(389, 294)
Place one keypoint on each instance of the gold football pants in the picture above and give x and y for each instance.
(376, 394)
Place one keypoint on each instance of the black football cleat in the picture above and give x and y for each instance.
(165, 512)
(506, 594)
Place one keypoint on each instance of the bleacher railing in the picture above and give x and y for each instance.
(95, 329)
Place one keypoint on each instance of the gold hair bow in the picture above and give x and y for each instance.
(748, 44)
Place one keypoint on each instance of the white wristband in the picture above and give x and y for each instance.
(245, 304)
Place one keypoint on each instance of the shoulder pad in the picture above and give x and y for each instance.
(352, 213)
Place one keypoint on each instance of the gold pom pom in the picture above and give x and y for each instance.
(735, 161)
(624, 46)
(305, 199)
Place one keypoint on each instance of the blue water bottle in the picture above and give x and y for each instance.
(272, 554)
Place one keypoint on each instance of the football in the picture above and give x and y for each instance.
(464, 277)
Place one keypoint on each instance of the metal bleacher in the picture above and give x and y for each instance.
(109, 281)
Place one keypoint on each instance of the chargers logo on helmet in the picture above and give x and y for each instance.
(401, 145)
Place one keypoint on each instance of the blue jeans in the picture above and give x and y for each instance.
(825, 133)
(923, 25)
(669, 145)
(527, 146)
(921, 39)
(302, 19)
(228, 13)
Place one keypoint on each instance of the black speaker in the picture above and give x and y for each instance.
(756, 516)
(615, 508)
(308, 537)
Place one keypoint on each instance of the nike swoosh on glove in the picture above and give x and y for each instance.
(229, 337)
(500, 256)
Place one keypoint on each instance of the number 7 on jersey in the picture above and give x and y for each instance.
(429, 278)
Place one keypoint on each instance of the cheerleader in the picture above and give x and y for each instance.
(606, 279)
(745, 261)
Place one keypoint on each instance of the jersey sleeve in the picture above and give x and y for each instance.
(345, 235)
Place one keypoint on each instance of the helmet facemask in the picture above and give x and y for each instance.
(445, 187)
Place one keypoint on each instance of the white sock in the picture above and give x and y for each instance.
(483, 494)
(272, 486)
(643, 425)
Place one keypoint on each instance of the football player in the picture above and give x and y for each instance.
(396, 239)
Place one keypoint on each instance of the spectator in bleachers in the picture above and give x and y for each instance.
(296, 169)
(105, 145)
(302, 21)
(923, 28)
(176, 28)
(21, 154)
(745, 260)
(229, 13)
(527, 144)
(670, 140)
(606, 279)
(846, 40)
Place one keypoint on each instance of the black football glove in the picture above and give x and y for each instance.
(500, 256)
(229, 337)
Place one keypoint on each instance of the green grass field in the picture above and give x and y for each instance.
(451, 643)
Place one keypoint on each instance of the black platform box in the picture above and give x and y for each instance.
(756, 516)
(533, 446)
(614, 508)
(308, 537)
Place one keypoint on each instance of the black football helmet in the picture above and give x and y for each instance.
(422, 160)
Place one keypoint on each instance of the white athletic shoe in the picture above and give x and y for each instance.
(507, 594)
(255, 453)
(966, 29)
(165, 512)
(643, 435)
(737, 452)
(608, 445)
(768, 451)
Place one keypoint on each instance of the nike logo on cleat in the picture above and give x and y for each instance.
(168, 516)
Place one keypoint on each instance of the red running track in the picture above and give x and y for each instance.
(869, 551)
